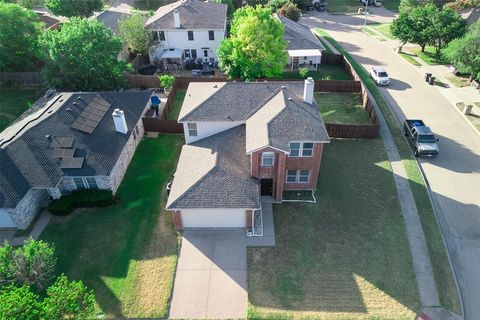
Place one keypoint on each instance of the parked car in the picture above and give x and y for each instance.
(420, 138)
(375, 3)
(319, 5)
(380, 76)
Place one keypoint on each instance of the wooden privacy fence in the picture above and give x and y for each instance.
(23, 79)
(352, 131)
(337, 86)
(162, 125)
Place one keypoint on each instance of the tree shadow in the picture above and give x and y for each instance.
(398, 85)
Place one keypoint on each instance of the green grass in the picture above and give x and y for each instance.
(391, 4)
(177, 104)
(15, 101)
(384, 29)
(126, 253)
(429, 56)
(473, 117)
(325, 72)
(370, 32)
(150, 5)
(343, 6)
(325, 45)
(297, 195)
(459, 80)
(345, 257)
(341, 108)
(410, 58)
(442, 272)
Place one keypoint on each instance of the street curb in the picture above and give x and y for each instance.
(468, 121)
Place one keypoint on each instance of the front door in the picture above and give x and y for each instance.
(266, 187)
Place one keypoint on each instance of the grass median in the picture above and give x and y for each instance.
(438, 255)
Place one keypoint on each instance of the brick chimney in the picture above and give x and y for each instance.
(176, 18)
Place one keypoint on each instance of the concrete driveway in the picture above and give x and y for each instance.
(211, 278)
(454, 176)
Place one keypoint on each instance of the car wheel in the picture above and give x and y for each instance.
(405, 132)
(415, 152)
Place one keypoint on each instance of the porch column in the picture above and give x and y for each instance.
(280, 180)
(249, 222)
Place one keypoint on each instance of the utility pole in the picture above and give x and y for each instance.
(366, 12)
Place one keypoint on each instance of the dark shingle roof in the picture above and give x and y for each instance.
(298, 36)
(239, 100)
(28, 160)
(224, 184)
(194, 14)
(110, 19)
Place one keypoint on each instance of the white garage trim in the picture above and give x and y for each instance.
(213, 218)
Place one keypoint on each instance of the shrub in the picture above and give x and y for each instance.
(62, 206)
(166, 81)
(290, 11)
(92, 198)
(303, 72)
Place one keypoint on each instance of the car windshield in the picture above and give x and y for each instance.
(427, 139)
(383, 74)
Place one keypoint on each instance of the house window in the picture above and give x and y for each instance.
(190, 35)
(298, 149)
(192, 129)
(303, 176)
(155, 36)
(205, 53)
(211, 35)
(291, 176)
(194, 53)
(304, 58)
(161, 35)
(82, 183)
(298, 176)
(267, 159)
(187, 53)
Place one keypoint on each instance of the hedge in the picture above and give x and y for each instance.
(81, 199)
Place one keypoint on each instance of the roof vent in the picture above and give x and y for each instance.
(284, 87)
(215, 86)
(49, 137)
(69, 109)
(229, 118)
(289, 98)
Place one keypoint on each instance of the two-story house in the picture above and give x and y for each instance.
(187, 29)
(244, 140)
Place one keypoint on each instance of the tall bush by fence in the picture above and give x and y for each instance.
(23, 79)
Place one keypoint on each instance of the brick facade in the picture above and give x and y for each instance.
(249, 216)
(177, 220)
(282, 163)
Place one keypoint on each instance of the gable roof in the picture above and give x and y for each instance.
(284, 119)
(26, 149)
(194, 14)
(215, 173)
(110, 18)
(298, 36)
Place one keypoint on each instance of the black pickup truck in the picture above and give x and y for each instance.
(421, 138)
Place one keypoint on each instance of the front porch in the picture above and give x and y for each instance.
(309, 59)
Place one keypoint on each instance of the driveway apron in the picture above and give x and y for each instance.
(211, 277)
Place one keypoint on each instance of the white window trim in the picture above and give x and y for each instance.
(190, 130)
(85, 182)
(273, 159)
(297, 176)
(300, 150)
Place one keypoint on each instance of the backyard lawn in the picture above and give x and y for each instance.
(126, 253)
(150, 5)
(341, 108)
(325, 72)
(177, 104)
(14, 101)
(345, 257)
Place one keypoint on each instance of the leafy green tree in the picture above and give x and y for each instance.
(275, 5)
(19, 303)
(132, 32)
(446, 26)
(19, 30)
(464, 53)
(256, 47)
(31, 264)
(72, 8)
(82, 56)
(166, 81)
(68, 300)
(402, 28)
(290, 11)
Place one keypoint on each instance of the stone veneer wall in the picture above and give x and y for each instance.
(28, 207)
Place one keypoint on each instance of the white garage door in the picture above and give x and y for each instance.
(213, 218)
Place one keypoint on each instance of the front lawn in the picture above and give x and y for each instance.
(126, 253)
(429, 56)
(343, 6)
(325, 72)
(15, 101)
(392, 5)
(341, 108)
(345, 257)
(410, 58)
(177, 104)
(459, 80)
(383, 28)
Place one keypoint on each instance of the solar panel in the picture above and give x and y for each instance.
(88, 120)
(62, 142)
(63, 153)
(72, 163)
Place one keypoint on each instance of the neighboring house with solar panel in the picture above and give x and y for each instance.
(303, 47)
(244, 140)
(70, 142)
(186, 29)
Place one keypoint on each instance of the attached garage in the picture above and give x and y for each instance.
(213, 218)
